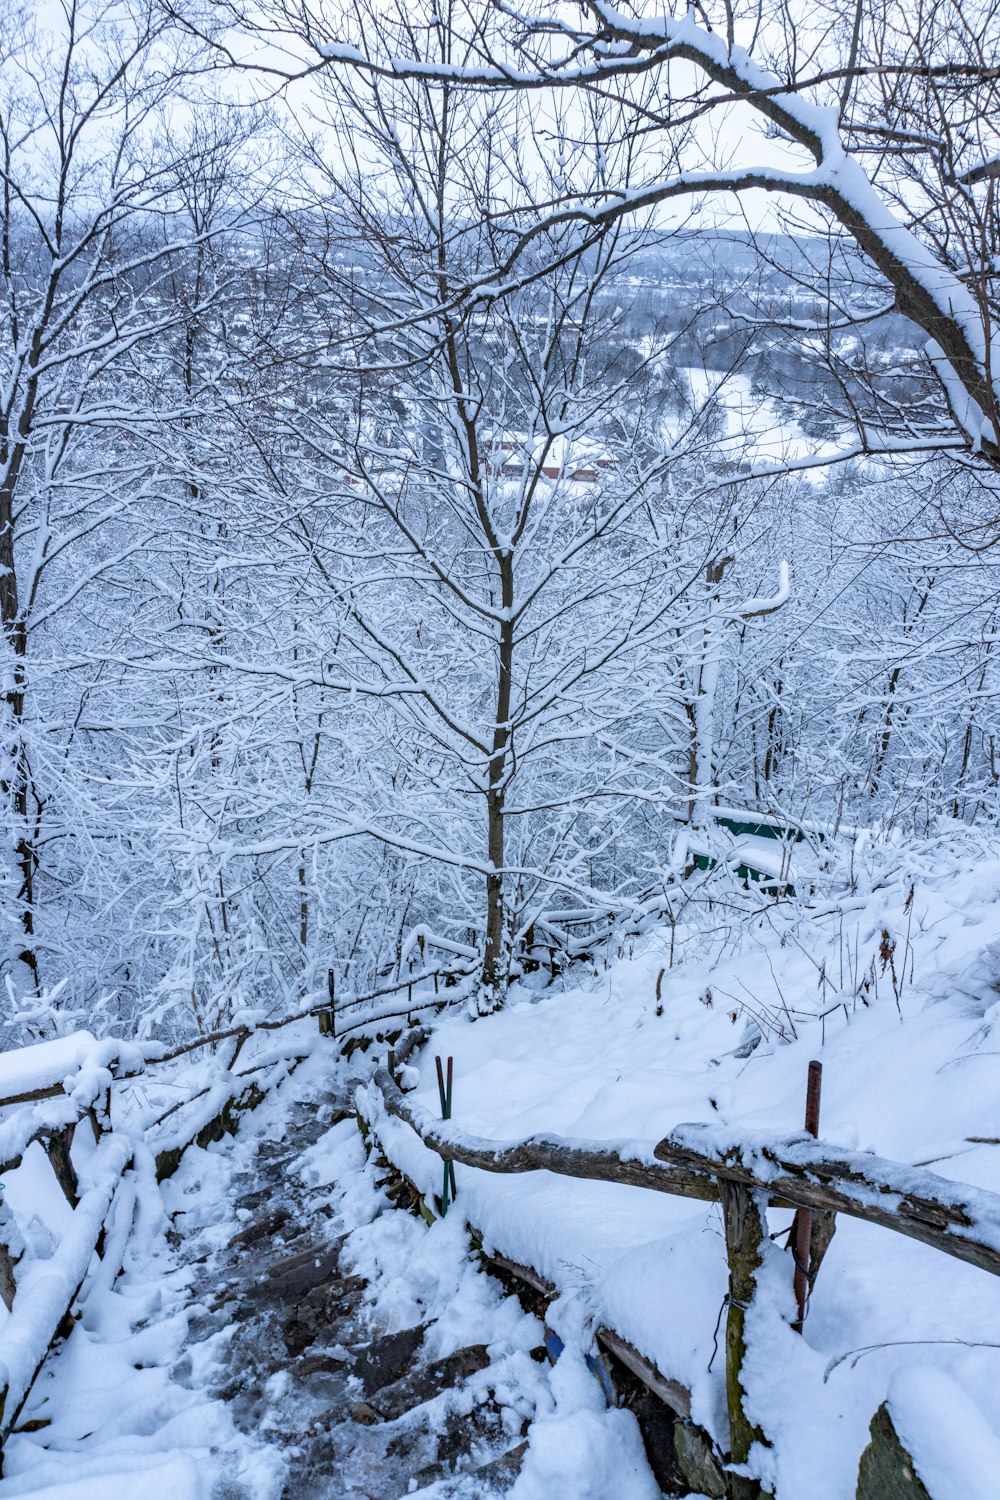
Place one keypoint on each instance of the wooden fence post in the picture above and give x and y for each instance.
(57, 1149)
(743, 1221)
(11, 1250)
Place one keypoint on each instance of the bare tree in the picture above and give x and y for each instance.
(882, 124)
(91, 231)
(509, 561)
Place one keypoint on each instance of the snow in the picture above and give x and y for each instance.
(955, 1450)
(910, 1072)
(175, 1477)
(44, 1064)
(126, 1405)
(49, 1285)
(577, 1446)
(18, 1129)
(757, 431)
(908, 1076)
(768, 603)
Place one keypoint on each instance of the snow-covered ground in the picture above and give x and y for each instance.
(910, 1043)
(181, 1382)
(757, 429)
(890, 975)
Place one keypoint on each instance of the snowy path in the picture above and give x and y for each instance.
(290, 1335)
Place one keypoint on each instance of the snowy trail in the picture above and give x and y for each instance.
(289, 1334)
(296, 1335)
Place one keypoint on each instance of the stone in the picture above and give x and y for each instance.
(319, 1364)
(698, 1461)
(428, 1381)
(323, 1313)
(500, 1473)
(656, 1424)
(364, 1414)
(385, 1359)
(886, 1471)
(261, 1228)
(293, 1277)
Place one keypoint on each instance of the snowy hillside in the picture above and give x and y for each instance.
(288, 1326)
(499, 706)
(911, 1071)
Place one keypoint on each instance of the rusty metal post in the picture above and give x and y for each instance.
(802, 1225)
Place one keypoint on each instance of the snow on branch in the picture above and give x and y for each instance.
(751, 609)
(927, 290)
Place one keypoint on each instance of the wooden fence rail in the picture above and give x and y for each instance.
(958, 1219)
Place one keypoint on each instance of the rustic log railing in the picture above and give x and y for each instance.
(51, 1088)
(48, 1088)
(746, 1173)
(956, 1218)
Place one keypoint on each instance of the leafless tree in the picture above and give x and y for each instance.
(880, 125)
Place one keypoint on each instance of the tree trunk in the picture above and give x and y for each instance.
(15, 776)
(495, 955)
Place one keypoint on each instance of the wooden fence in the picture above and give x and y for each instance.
(49, 1090)
(745, 1173)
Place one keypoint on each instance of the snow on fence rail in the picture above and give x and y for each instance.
(46, 1091)
(48, 1088)
(51, 1087)
(745, 1173)
(43, 1302)
(692, 1161)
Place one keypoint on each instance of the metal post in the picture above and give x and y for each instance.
(450, 1165)
(331, 990)
(444, 1093)
(802, 1225)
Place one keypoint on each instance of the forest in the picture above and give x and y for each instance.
(389, 550)
(499, 584)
